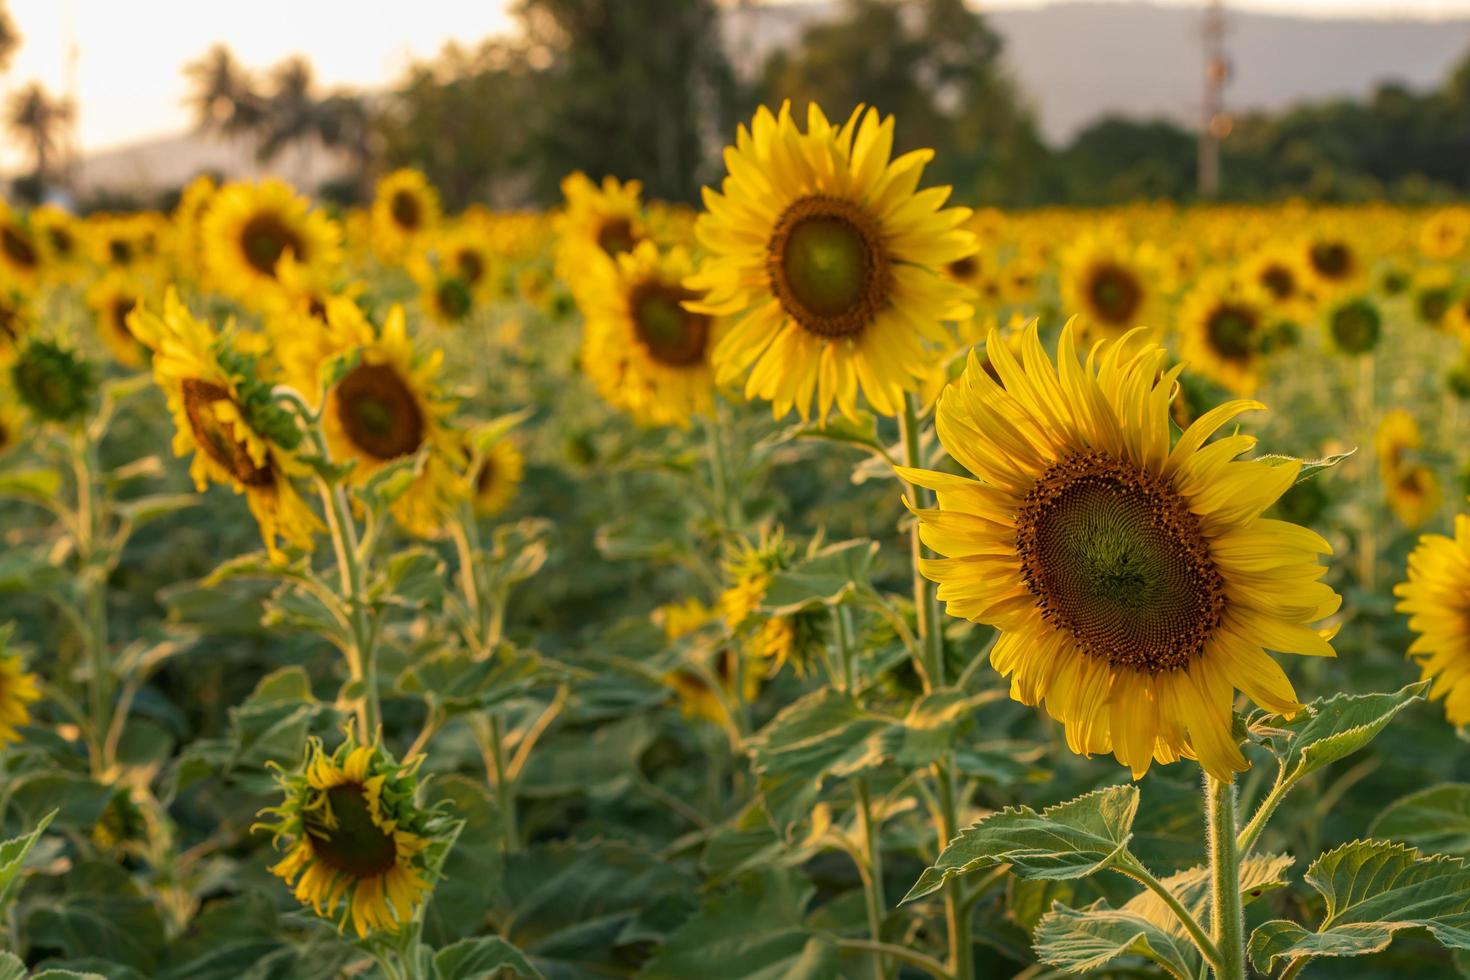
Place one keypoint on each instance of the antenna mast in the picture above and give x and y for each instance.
(1215, 123)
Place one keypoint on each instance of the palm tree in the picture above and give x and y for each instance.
(36, 118)
(224, 97)
(291, 112)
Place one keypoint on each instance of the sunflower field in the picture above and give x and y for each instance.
(826, 582)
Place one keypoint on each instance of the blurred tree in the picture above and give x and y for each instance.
(224, 97)
(1117, 159)
(936, 66)
(9, 37)
(633, 88)
(37, 119)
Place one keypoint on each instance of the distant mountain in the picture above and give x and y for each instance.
(1076, 62)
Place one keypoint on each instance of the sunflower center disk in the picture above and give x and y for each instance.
(1279, 282)
(828, 266)
(19, 250)
(200, 397)
(672, 334)
(1114, 556)
(356, 845)
(615, 236)
(1232, 331)
(378, 412)
(265, 239)
(1331, 259)
(405, 208)
(1115, 294)
(454, 298)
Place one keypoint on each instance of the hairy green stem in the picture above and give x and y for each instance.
(1227, 923)
(871, 869)
(926, 609)
(1134, 868)
(1246, 840)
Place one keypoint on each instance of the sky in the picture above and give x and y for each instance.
(129, 53)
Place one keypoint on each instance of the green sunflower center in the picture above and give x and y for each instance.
(200, 397)
(453, 297)
(407, 213)
(616, 235)
(1115, 293)
(355, 846)
(1433, 304)
(1332, 260)
(265, 238)
(18, 247)
(828, 266)
(672, 334)
(1355, 327)
(1114, 556)
(1232, 330)
(378, 412)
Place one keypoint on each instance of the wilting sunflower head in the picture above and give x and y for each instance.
(405, 211)
(1436, 598)
(249, 229)
(226, 416)
(1225, 323)
(1355, 325)
(19, 689)
(55, 382)
(833, 262)
(598, 223)
(1107, 283)
(1132, 579)
(354, 838)
(644, 349)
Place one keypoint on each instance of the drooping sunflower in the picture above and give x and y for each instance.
(1107, 283)
(405, 210)
(1132, 579)
(1223, 323)
(830, 258)
(223, 414)
(1436, 598)
(111, 298)
(386, 408)
(598, 223)
(644, 350)
(19, 689)
(354, 837)
(249, 228)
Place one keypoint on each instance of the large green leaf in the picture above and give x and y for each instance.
(1328, 730)
(751, 931)
(102, 915)
(1373, 889)
(827, 733)
(824, 578)
(13, 855)
(1436, 819)
(928, 731)
(1259, 875)
(472, 869)
(480, 958)
(1070, 840)
(1086, 939)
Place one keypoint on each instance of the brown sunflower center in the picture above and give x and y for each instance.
(1231, 329)
(121, 307)
(471, 266)
(485, 479)
(407, 213)
(355, 846)
(120, 251)
(379, 413)
(1115, 293)
(61, 241)
(828, 266)
(1332, 260)
(672, 334)
(615, 235)
(221, 445)
(18, 247)
(1278, 281)
(1114, 556)
(964, 269)
(265, 238)
(1433, 304)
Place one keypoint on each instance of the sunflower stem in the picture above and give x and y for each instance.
(1227, 923)
(1250, 835)
(362, 660)
(870, 869)
(94, 583)
(926, 609)
(727, 504)
(1135, 869)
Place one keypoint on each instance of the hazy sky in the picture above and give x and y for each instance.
(129, 52)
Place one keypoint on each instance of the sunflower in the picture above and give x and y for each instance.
(445, 295)
(60, 236)
(249, 228)
(644, 350)
(16, 317)
(353, 836)
(748, 568)
(1436, 598)
(1107, 283)
(21, 256)
(1434, 296)
(1334, 261)
(1223, 322)
(387, 407)
(1355, 325)
(832, 260)
(116, 240)
(18, 690)
(598, 223)
(111, 298)
(1279, 271)
(1411, 487)
(405, 210)
(1444, 233)
(1133, 582)
(225, 417)
(496, 470)
(188, 219)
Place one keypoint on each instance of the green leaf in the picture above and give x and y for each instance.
(861, 431)
(101, 915)
(1325, 731)
(41, 485)
(824, 578)
(472, 869)
(392, 480)
(1373, 889)
(462, 683)
(600, 759)
(473, 959)
(272, 724)
(752, 930)
(929, 730)
(1436, 820)
(826, 733)
(414, 577)
(1259, 875)
(1069, 840)
(71, 798)
(144, 510)
(1310, 467)
(13, 855)
(1086, 939)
